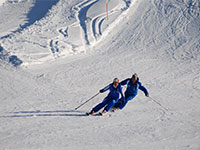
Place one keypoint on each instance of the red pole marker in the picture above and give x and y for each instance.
(107, 10)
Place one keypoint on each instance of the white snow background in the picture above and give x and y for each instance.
(56, 54)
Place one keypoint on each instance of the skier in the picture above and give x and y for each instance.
(133, 84)
(111, 99)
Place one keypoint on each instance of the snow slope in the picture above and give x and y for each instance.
(74, 50)
(2, 1)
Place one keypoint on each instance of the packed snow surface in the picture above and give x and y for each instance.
(56, 54)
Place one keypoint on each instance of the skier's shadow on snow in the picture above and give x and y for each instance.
(39, 113)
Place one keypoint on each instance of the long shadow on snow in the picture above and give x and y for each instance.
(38, 11)
(38, 113)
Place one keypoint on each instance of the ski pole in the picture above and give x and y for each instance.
(159, 104)
(87, 101)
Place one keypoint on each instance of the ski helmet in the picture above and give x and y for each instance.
(116, 80)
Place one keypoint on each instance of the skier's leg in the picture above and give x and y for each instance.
(122, 105)
(110, 105)
(100, 105)
(118, 103)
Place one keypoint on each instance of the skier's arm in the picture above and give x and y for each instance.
(143, 89)
(124, 82)
(105, 89)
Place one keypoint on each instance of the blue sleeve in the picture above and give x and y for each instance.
(143, 88)
(124, 82)
(106, 88)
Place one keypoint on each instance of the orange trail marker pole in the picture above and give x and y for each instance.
(107, 10)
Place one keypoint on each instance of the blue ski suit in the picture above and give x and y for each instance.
(131, 91)
(111, 99)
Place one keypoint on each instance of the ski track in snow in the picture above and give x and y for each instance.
(82, 17)
(90, 29)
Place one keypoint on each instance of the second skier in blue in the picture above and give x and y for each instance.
(133, 84)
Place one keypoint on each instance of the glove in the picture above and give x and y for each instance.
(101, 91)
(147, 95)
